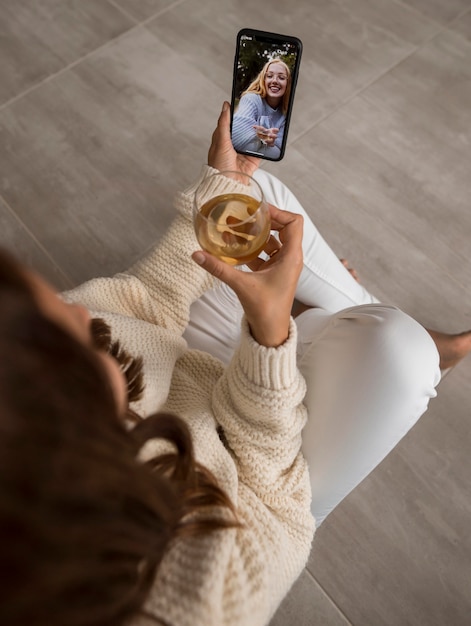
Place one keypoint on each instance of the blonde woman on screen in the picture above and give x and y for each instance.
(259, 122)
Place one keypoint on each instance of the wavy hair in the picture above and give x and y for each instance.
(258, 84)
(84, 524)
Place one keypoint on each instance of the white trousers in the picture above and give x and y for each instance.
(370, 369)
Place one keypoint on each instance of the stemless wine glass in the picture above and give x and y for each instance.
(265, 121)
(235, 225)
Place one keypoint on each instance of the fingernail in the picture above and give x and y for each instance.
(198, 257)
(225, 106)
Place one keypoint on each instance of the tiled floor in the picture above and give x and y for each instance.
(106, 109)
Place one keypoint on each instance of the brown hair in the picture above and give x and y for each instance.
(84, 524)
(258, 84)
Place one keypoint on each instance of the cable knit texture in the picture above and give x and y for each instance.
(246, 423)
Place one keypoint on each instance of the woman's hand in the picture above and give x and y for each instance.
(222, 155)
(266, 293)
(266, 135)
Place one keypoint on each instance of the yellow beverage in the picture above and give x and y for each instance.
(233, 227)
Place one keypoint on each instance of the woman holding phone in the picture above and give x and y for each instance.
(115, 511)
(259, 122)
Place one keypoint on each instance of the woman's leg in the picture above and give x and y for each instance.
(370, 372)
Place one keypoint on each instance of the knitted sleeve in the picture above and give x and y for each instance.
(246, 116)
(161, 287)
(258, 403)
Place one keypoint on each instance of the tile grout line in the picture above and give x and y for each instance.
(123, 11)
(459, 16)
(138, 22)
(445, 25)
(73, 64)
(314, 579)
(36, 241)
(418, 13)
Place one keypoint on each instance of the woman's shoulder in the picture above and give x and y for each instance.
(252, 96)
(253, 99)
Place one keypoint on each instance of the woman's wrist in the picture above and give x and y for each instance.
(270, 334)
(268, 366)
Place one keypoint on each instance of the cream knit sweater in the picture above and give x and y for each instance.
(233, 577)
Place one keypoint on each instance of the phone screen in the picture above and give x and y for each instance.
(266, 69)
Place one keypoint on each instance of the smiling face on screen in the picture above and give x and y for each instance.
(276, 81)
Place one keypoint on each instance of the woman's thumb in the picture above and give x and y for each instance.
(215, 266)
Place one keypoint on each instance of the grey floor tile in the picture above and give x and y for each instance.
(204, 34)
(401, 540)
(102, 149)
(308, 605)
(432, 88)
(40, 38)
(346, 45)
(442, 11)
(143, 9)
(408, 174)
(18, 241)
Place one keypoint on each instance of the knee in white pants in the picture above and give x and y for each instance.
(371, 341)
(399, 345)
(370, 372)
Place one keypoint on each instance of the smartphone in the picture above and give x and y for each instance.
(266, 68)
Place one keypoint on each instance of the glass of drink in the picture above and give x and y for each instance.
(235, 225)
(265, 121)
